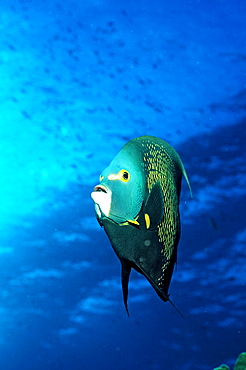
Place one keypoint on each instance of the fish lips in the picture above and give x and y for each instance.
(102, 197)
(100, 188)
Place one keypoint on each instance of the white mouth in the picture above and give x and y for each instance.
(102, 199)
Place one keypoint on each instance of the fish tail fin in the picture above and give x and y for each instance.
(169, 300)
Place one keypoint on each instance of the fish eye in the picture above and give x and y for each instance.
(124, 175)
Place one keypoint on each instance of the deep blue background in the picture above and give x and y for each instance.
(78, 79)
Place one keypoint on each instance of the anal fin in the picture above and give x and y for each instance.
(125, 275)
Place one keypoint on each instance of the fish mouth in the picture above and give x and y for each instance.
(100, 188)
(101, 196)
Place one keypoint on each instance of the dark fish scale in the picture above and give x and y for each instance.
(160, 167)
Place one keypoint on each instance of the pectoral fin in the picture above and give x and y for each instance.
(154, 208)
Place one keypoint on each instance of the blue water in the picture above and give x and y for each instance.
(78, 80)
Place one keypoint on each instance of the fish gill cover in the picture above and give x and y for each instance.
(79, 80)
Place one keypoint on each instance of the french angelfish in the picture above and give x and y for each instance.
(137, 204)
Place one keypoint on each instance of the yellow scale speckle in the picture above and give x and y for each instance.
(159, 166)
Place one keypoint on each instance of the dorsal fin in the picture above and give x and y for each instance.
(186, 178)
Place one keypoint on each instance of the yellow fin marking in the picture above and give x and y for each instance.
(134, 222)
(147, 220)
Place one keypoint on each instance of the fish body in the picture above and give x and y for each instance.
(137, 204)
